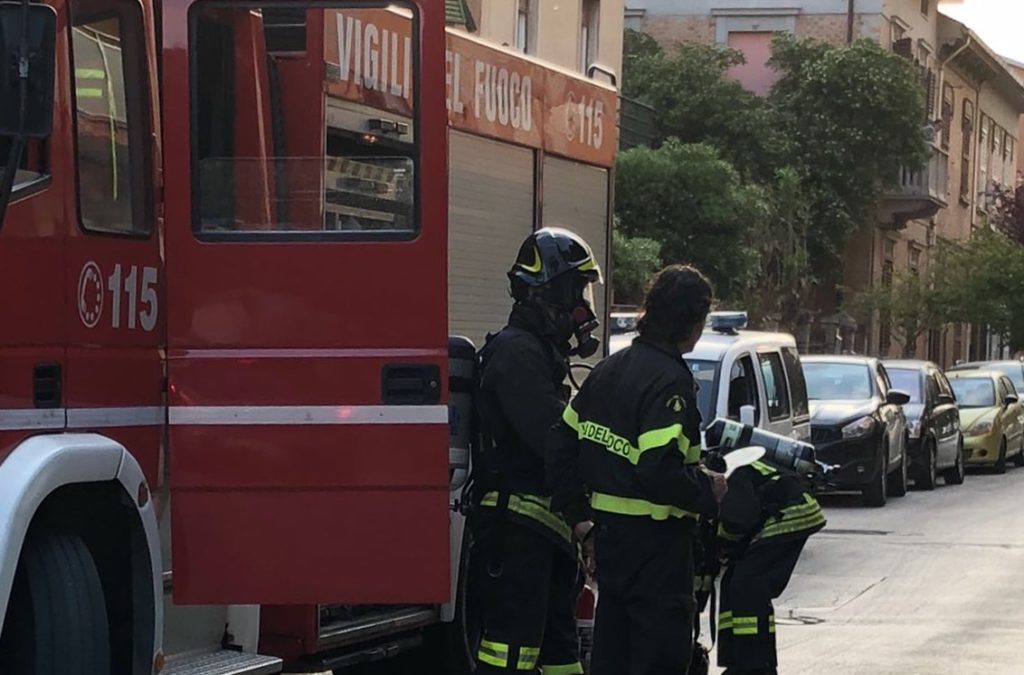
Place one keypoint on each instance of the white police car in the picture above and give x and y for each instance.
(748, 376)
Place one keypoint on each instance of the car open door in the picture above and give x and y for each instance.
(306, 294)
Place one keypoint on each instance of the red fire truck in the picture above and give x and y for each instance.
(223, 235)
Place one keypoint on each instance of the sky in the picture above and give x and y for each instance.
(1000, 23)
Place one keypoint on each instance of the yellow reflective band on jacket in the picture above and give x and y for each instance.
(725, 620)
(534, 507)
(618, 445)
(567, 669)
(88, 92)
(763, 469)
(703, 583)
(793, 519)
(771, 623)
(628, 506)
(744, 625)
(528, 658)
(493, 653)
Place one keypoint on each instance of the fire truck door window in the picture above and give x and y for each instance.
(266, 163)
(108, 149)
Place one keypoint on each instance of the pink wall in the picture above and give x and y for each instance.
(755, 74)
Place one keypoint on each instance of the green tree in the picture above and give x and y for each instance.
(634, 261)
(913, 304)
(852, 115)
(696, 103)
(693, 202)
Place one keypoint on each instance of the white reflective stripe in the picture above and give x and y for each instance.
(308, 414)
(140, 416)
(17, 419)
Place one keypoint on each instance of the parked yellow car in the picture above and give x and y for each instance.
(991, 417)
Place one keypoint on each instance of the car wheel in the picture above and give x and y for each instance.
(1018, 459)
(875, 492)
(898, 480)
(1000, 465)
(926, 477)
(955, 475)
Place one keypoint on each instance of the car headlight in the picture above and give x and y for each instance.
(914, 428)
(858, 428)
(980, 428)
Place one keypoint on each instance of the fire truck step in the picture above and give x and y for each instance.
(224, 662)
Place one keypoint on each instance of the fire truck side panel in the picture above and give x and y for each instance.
(32, 248)
(308, 436)
(42, 465)
(491, 211)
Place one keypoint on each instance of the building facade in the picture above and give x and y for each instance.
(973, 108)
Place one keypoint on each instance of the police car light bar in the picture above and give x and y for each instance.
(727, 322)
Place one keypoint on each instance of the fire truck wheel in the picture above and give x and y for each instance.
(57, 617)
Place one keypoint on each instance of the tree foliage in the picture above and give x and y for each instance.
(789, 177)
(692, 201)
(853, 115)
(634, 261)
(913, 304)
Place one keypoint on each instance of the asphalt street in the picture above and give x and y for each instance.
(932, 583)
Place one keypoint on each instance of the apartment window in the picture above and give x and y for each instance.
(1007, 174)
(899, 34)
(525, 13)
(589, 17)
(925, 6)
(635, 19)
(914, 260)
(948, 101)
(966, 129)
(984, 153)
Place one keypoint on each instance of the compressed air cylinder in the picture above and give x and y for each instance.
(780, 451)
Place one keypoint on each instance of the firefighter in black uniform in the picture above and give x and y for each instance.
(629, 444)
(765, 521)
(530, 555)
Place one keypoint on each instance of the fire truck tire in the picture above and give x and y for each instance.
(57, 618)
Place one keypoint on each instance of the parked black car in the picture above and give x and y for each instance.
(1012, 369)
(857, 423)
(935, 443)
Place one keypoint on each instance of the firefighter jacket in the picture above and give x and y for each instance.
(764, 504)
(629, 443)
(522, 395)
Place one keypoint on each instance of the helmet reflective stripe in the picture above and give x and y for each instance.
(551, 252)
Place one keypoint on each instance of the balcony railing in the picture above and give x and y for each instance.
(930, 182)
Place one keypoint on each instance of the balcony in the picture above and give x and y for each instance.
(920, 193)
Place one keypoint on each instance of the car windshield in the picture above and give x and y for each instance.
(705, 373)
(837, 381)
(974, 392)
(907, 380)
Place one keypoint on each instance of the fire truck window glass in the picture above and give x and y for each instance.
(292, 140)
(101, 125)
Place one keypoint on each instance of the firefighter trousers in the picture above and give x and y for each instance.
(645, 608)
(746, 622)
(528, 587)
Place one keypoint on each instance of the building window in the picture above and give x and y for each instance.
(524, 25)
(948, 103)
(925, 6)
(589, 18)
(899, 34)
(914, 260)
(984, 153)
(966, 130)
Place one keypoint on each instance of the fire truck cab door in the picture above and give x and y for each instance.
(307, 327)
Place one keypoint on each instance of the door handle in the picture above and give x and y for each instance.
(46, 385)
(411, 384)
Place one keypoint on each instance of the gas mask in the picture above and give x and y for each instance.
(584, 323)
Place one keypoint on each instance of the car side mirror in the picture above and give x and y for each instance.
(1010, 399)
(897, 397)
(748, 415)
(945, 399)
(32, 28)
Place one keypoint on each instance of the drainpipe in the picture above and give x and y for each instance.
(849, 20)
